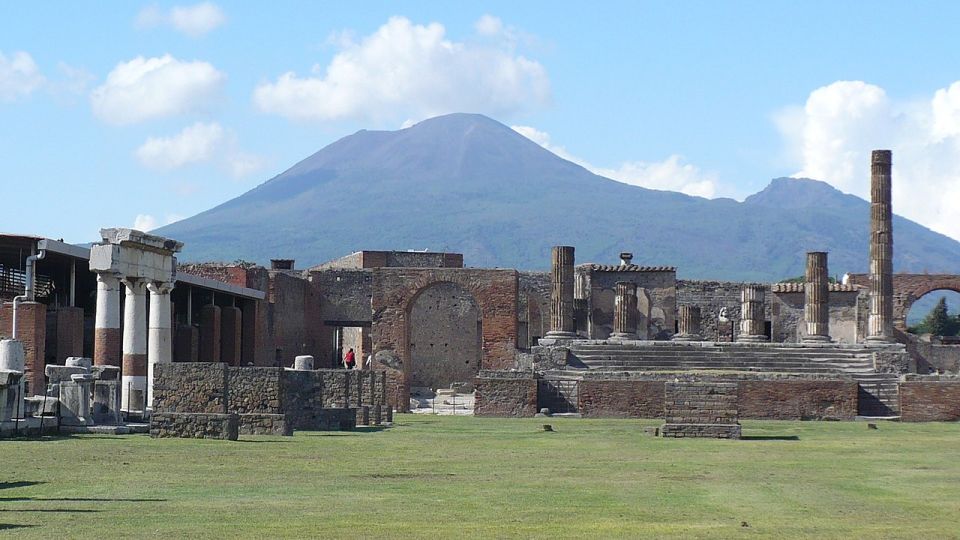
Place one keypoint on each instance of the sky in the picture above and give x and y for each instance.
(127, 114)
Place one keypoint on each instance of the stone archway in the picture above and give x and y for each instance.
(908, 288)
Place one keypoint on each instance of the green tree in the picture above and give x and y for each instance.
(938, 322)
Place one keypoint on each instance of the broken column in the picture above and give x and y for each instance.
(12, 365)
(561, 294)
(816, 307)
(106, 339)
(159, 337)
(751, 314)
(688, 328)
(625, 311)
(880, 321)
(133, 387)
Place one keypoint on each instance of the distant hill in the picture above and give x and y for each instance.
(469, 184)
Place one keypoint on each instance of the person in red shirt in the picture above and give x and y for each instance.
(349, 360)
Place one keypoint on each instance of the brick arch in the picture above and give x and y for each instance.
(910, 287)
(396, 289)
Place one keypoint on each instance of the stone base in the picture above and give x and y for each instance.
(752, 339)
(687, 337)
(879, 341)
(195, 425)
(711, 431)
(557, 338)
(621, 336)
(816, 339)
(265, 424)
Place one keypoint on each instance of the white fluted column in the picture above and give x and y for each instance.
(160, 338)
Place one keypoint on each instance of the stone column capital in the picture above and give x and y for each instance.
(108, 278)
(134, 285)
(160, 287)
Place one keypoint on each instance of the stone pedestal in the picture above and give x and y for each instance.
(561, 294)
(816, 307)
(689, 324)
(752, 315)
(880, 321)
(625, 311)
(303, 362)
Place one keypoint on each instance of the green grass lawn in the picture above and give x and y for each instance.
(453, 477)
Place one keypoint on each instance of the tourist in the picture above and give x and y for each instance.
(349, 360)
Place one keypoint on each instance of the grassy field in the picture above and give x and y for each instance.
(453, 477)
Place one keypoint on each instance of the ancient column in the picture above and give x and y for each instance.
(688, 324)
(751, 314)
(625, 311)
(134, 371)
(816, 289)
(880, 321)
(159, 338)
(561, 295)
(106, 340)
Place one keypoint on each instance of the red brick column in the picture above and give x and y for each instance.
(210, 333)
(231, 321)
(32, 332)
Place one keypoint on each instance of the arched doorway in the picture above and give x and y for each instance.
(445, 336)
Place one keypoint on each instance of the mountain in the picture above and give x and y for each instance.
(469, 184)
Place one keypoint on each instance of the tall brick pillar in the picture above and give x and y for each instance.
(231, 324)
(32, 334)
(816, 290)
(106, 333)
(625, 311)
(561, 294)
(210, 333)
(880, 321)
(688, 324)
(751, 314)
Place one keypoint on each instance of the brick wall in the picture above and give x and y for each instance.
(64, 334)
(798, 399)
(508, 394)
(32, 332)
(930, 400)
(620, 398)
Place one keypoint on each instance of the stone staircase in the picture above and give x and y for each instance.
(879, 394)
(559, 394)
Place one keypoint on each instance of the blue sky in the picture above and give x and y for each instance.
(118, 113)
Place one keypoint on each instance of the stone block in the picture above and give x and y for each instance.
(195, 425)
(106, 402)
(57, 374)
(265, 424)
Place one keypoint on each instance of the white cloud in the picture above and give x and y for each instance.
(488, 25)
(198, 143)
(670, 174)
(194, 144)
(146, 88)
(831, 136)
(19, 76)
(194, 21)
(147, 222)
(405, 70)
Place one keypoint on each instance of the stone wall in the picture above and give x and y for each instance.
(344, 294)
(798, 399)
(935, 357)
(700, 409)
(195, 425)
(787, 315)
(930, 399)
(190, 388)
(505, 393)
(711, 297)
(265, 424)
(660, 285)
(444, 336)
(255, 390)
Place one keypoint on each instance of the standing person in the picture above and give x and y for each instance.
(350, 360)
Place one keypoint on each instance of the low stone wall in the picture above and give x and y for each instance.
(255, 390)
(265, 424)
(195, 425)
(700, 409)
(798, 399)
(620, 398)
(505, 393)
(930, 399)
(181, 387)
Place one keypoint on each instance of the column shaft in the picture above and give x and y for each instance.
(816, 289)
(625, 311)
(160, 339)
(688, 324)
(134, 371)
(880, 321)
(106, 340)
(752, 314)
(561, 296)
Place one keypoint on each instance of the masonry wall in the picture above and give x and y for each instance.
(798, 399)
(660, 287)
(930, 400)
(64, 334)
(444, 336)
(533, 307)
(620, 399)
(787, 316)
(32, 331)
(190, 388)
(505, 394)
(711, 297)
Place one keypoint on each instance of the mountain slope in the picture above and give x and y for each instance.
(469, 184)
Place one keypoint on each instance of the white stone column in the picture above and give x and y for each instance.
(160, 338)
(106, 342)
(134, 371)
